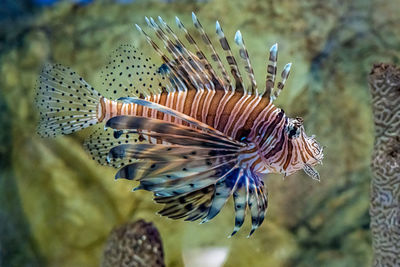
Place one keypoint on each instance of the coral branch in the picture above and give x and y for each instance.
(384, 83)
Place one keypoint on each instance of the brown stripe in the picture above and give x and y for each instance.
(119, 107)
(163, 100)
(139, 110)
(282, 154)
(279, 145)
(130, 109)
(249, 124)
(268, 89)
(306, 147)
(212, 111)
(226, 113)
(149, 111)
(200, 106)
(295, 147)
(272, 126)
(257, 161)
(189, 101)
(174, 104)
(103, 109)
(111, 108)
(239, 113)
(289, 156)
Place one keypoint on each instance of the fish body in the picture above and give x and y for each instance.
(237, 115)
(186, 130)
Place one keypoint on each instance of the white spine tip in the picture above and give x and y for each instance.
(161, 20)
(286, 70)
(147, 20)
(178, 22)
(152, 21)
(274, 48)
(239, 38)
(195, 20)
(218, 29)
(138, 27)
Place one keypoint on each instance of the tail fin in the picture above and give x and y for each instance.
(67, 103)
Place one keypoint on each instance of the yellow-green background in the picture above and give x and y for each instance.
(57, 206)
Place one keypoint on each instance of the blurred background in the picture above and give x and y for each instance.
(57, 206)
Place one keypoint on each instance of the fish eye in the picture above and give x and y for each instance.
(294, 127)
(293, 131)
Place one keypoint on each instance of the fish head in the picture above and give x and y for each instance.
(306, 151)
(297, 151)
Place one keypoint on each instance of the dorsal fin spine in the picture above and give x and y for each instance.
(230, 58)
(207, 73)
(176, 54)
(281, 84)
(271, 71)
(226, 84)
(244, 55)
(164, 58)
(209, 44)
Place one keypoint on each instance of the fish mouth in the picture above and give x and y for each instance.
(316, 157)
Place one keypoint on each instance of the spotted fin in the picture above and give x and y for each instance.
(191, 206)
(102, 141)
(130, 73)
(66, 102)
(240, 199)
(223, 190)
(257, 200)
(185, 167)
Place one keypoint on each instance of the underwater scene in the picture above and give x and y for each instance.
(199, 133)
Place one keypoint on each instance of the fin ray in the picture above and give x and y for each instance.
(66, 102)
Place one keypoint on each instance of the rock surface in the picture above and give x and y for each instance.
(136, 244)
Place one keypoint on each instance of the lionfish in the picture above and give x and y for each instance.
(189, 132)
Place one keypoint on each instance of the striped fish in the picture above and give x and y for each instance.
(191, 131)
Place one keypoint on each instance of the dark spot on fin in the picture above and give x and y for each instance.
(117, 134)
(163, 69)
